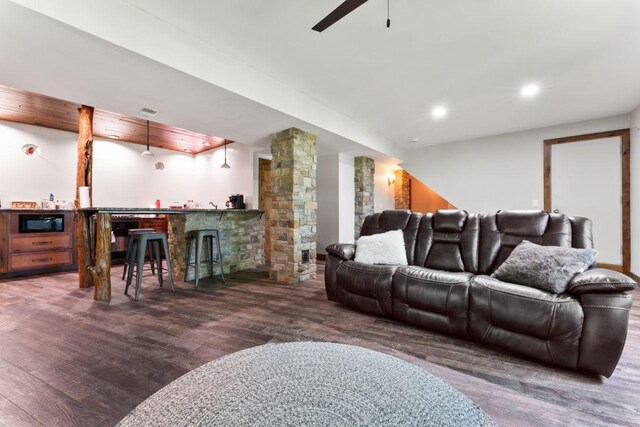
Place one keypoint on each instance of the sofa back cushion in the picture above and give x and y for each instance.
(404, 220)
(448, 240)
(501, 232)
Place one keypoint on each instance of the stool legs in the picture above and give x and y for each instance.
(126, 259)
(142, 247)
(150, 250)
(128, 255)
(155, 243)
(202, 240)
(132, 256)
(158, 257)
(199, 241)
(165, 247)
(220, 255)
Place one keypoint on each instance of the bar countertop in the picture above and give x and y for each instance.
(35, 210)
(134, 211)
(131, 210)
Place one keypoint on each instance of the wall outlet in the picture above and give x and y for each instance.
(534, 203)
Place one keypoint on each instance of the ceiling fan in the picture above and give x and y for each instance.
(341, 11)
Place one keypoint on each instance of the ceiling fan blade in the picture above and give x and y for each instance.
(339, 12)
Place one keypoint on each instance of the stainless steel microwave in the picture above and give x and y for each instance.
(30, 223)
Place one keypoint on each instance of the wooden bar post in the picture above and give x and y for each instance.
(101, 272)
(84, 179)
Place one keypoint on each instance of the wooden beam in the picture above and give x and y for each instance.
(84, 179)
(101, 272)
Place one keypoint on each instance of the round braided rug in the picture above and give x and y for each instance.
(307, 384)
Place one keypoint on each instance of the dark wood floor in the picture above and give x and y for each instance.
(65, 360)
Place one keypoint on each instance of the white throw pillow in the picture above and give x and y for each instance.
(384, 248)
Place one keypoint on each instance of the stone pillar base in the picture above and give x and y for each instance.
(294, 206)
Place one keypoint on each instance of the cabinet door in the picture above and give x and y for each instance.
(39, 260)
(39, 243)
(159, 224)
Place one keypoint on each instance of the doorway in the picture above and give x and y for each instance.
(589, 175)
(264, 202)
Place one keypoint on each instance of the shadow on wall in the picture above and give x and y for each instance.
(425, 200)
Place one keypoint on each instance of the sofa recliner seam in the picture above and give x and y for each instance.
(532, 299)
(431, 281)
(608, 306)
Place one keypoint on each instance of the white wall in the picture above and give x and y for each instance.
(121, 177)
(635, 191)
(327, 190)
(497, 172)
(336, 194)
(384, 193)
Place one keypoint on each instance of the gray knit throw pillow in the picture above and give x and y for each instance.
(549, 268)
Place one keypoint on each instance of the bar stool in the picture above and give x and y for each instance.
(127, 253)
(140, 241)
(199, 237)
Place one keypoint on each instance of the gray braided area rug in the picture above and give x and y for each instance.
(307, 384)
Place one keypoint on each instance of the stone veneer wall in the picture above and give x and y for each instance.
(402, 190)
(294, 206)
(241, 240)
(365, 169)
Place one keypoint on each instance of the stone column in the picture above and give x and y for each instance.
(294, 206)
(402, 190)
(365, 169)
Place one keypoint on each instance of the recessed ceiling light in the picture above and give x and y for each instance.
(530, 90)
(206, 143)
(439, 112)
(186, 150)
(114, 137)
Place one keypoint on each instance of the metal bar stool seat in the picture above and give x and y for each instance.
(199, 238)
(127, 253)
(140, 242)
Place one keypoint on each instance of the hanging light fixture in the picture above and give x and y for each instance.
(225, 165)
(147, 152)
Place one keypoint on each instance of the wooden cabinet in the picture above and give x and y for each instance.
(39, 260)
(18, 243)
(159, 224)
(23, 253)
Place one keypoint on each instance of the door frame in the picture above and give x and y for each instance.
(268, 243)
(625, 137)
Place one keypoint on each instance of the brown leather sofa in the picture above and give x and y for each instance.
(447, 286)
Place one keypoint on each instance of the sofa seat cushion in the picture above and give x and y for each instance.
(432, 299)
(366, 287)
(530, 321)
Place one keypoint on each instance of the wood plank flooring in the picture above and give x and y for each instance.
(66, 360)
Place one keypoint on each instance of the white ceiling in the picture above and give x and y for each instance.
(42, 55)
(358, 76)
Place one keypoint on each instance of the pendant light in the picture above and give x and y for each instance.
(147, 152)
(225, 165)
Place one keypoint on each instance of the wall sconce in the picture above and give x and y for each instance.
(391, 180)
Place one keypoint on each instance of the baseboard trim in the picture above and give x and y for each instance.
(613, 267)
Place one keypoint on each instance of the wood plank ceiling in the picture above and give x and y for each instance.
(34, 109)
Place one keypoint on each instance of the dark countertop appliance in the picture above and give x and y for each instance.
(236, 201)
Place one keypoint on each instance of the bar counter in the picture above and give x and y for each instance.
(241, 237)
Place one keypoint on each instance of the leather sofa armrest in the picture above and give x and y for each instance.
(600, 280)
(345, 251)
(604, 331)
